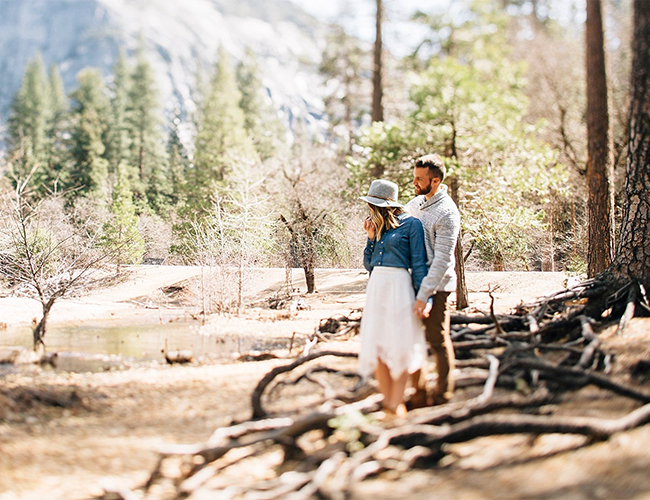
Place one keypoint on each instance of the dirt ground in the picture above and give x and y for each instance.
(107, 425)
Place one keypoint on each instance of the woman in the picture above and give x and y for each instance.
(392, 339)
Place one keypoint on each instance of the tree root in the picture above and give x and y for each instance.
(542, 351)
(256, 398)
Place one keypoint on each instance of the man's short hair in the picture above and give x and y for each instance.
(434, 163)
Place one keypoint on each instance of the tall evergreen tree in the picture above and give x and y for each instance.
(89, 170)
(178, 161)
(120, 233)
(600, 170)
(29, 123)
(222, 140)
(377, 69)
(260, 118)
(58, 99)
(58, 125)
(343, 66)
(147, 139)
(632, 260)
(118, 136)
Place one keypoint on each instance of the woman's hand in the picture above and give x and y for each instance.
(422, 309)
(369, 227)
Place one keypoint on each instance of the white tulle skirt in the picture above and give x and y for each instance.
(390, 331)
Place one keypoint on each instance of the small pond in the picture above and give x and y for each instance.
(96, 346)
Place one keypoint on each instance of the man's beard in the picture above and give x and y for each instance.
(424, 190)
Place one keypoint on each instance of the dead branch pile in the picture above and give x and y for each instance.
(338, 327)
(513, 371)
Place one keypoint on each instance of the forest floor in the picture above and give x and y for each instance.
(64, 434)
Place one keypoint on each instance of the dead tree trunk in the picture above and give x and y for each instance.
(633, 252)
(377, 90)
(600, 171)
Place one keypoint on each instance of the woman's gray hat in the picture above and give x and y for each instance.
(382, 194)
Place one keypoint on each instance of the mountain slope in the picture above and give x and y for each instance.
(178, 37)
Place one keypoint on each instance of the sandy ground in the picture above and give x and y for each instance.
(49, 452)
(121, 301)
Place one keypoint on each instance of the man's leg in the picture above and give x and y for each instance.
(436, 328)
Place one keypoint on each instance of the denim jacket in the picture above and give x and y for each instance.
(400, 247)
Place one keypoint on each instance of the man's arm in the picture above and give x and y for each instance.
(446, 231)
(411, 206)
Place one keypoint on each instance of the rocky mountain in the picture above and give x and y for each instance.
(179, 37)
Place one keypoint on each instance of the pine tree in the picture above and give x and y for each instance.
(600, 170)
(260, 117)
(178, 161)
(346, 101)
(29, 123)
(147, 140)
(118, 136)
(56, 131)
(58, 99)
(632, 260)
(377, 68)
(222, 140)
(89, 170)
(120, 234)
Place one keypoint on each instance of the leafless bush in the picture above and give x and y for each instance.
(230, 242)
(157, 235)
(88, 213)
(319, 226)
(43, 255)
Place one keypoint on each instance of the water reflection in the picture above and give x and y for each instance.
(106, 346)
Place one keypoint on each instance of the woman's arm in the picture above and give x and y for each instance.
(418, 253)
(369, 228)
(367, 254)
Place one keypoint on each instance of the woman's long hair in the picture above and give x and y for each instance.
(384, 218)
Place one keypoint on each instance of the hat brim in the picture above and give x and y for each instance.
(379, 202)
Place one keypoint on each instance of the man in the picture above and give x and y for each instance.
(441, 221)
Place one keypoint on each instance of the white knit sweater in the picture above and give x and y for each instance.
(441, 221)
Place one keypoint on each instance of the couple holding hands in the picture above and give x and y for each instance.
(405, 311)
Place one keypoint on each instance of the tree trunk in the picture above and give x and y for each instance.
(551, 220)
(310, 277)
(141, 158)
(240, 283)
(599, 162)
(39, 329)
(574, 229)
(309, 264)
(377, 90)
(633, 252)
(498, 263)
(462, 300)
(347, 105)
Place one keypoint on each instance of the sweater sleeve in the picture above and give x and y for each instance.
(446, 230)
(418, 254)
(411, 206)
(367, 254)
